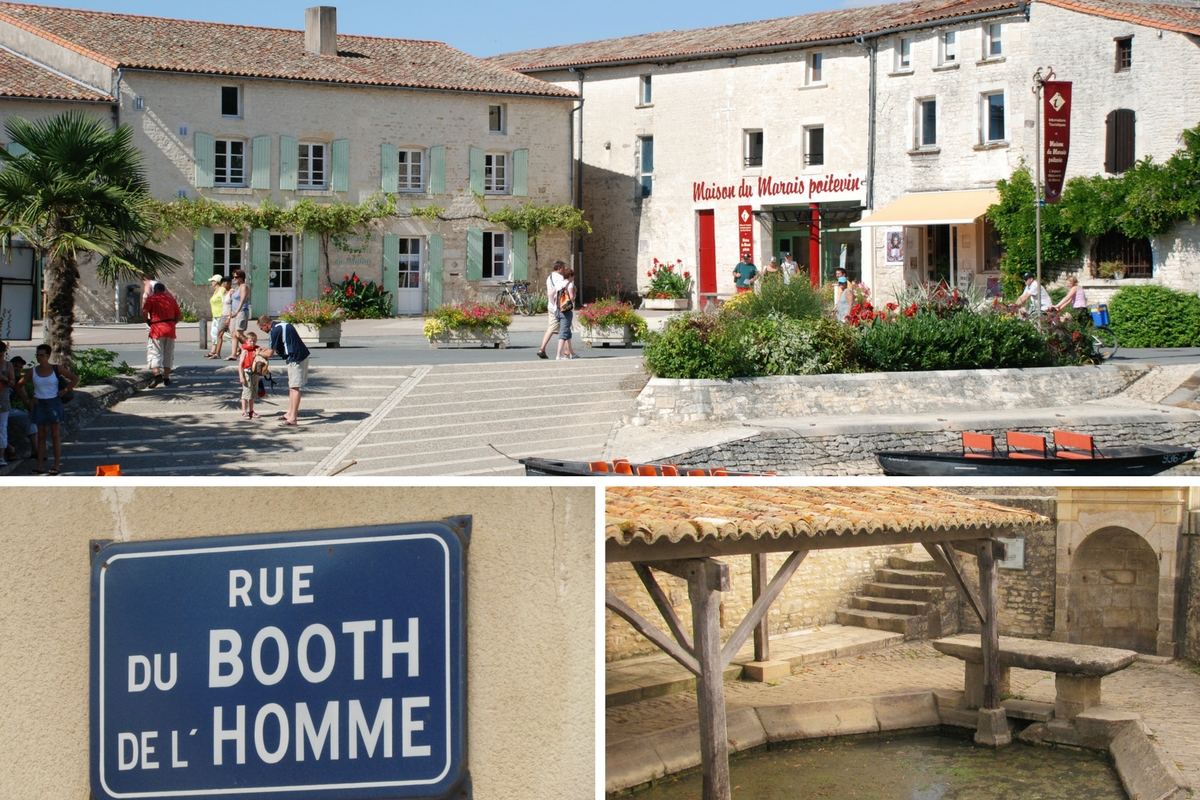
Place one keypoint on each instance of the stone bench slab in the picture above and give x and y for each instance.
(1070, 659)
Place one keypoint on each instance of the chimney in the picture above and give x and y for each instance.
(320, 30)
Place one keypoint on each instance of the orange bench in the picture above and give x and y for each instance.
(1074, 445)
(1025, 445)
(973, 442)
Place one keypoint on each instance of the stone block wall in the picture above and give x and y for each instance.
(819, 587)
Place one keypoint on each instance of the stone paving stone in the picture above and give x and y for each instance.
(1167, 697)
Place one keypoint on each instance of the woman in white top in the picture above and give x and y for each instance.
(46, 406)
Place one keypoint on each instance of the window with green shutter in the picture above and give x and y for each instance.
(258, 276)
(260, 162)
(437, 170)
(16, 150)
(202, 256)
(389, 168)
(474, 254)
(520, 251)
(289, 158)
(205, 155)
(391, 267)
(433, 286)
(310, 263)
(520, 173)
(340, 179)
(476, 160)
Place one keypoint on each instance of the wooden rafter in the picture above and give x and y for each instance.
(948, 559)
(663, 604)
(759, 610)
(647, 629)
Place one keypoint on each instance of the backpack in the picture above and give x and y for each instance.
(262, 368)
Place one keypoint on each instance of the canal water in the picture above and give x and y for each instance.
(918, 767)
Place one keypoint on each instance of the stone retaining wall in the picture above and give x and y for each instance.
(790, 453)
(670, 402)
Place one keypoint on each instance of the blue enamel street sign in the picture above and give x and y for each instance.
(316, 664)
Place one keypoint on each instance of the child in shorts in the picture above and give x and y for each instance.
(247, 377)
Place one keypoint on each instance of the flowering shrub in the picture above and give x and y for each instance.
(609, 312)
(325, 311)
(484, 317)
(361, 300)
(669, 281)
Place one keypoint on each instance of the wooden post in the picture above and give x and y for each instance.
(706, 579)
(989, 590)
(758, 581)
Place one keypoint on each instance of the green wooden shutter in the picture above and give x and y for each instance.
(17, 150)
(202, 256)
(289, 163)
(474, 254)
(310, 255)
(260, 162)
(389, 168)
(433, 282)
(520, 249)
(205, 157)
(258, 275)
(340, 150)
(391, 268)
(476, 170)
(437, 170)
(520, 171)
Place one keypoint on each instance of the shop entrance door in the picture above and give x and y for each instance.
(938, 255)
(707, 260)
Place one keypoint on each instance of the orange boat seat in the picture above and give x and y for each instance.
(670, 470)
(697, 473)
(647, 469)
(1074, 445)
(622, 468)
(972, 443)
(1025, 445)
(598, 466)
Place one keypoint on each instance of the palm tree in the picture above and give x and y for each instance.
(78, 189)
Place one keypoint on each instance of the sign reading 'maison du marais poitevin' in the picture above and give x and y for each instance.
(315, 664)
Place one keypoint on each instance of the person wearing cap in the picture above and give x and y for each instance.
(219, 303)
(744, 274)
(771, 270)
(788, 268)
(841, 295)
(163, 313)
(1035, 294)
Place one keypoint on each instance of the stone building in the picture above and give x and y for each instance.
(238, 114)
(870, 138)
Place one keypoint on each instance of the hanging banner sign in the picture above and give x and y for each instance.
(315, 664)
(829, 188)
(1056, 134)
(746, 232)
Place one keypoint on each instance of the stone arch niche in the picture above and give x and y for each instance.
(1118, 554)
(1113, 594)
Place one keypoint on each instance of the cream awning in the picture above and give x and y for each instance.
(933, 208)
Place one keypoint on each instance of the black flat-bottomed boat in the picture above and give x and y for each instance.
(590, 469)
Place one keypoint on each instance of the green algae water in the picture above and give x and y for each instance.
(921, 767)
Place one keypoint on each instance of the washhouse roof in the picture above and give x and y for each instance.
(158, 43)
(21, 79)
(655, 515)
(766, 34)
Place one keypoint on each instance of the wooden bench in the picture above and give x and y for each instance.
(1077, 668)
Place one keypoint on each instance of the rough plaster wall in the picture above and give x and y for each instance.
(820, 586)
(531, 589)
(1192, 618)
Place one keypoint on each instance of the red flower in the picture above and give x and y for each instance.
(349, 292)
(891, 306)
(687, 275)
(345, 277)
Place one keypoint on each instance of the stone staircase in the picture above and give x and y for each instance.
(904, 598)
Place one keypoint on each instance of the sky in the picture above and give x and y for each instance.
(478, 27)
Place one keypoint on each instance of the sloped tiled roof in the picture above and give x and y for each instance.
(158, 43)
(20, 78)
(771, 33)
(655, 513)
(1178, 17)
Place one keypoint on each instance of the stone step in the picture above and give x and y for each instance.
(915, 577)
(902, 591)
(890, 605)
(919, 560)
(912, 627)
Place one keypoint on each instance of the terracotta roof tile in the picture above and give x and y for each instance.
(1179, 17)
(808, 28)
(20, 78)
(652, 513)
(158, 43)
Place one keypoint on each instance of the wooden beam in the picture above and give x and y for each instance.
(950, 562)
(710, 690)
(647, 629)
(759, 610)
(684, 568)
(989, 586)
(758, 581)
(663, 604)
(666, 550)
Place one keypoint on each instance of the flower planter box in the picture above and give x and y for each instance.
(328, 335)
(665, 304)
(608, 334)
(470, 337)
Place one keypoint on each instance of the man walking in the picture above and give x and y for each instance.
(286, 343)
(744, 274)
(554, 282)
(163, 313)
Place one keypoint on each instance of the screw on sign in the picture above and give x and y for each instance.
(318, 664)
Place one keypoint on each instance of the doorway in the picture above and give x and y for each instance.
(281, 286)
(938, 255)
(707, 255)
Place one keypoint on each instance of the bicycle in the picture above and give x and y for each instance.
(515, 297)
(1105, 341)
